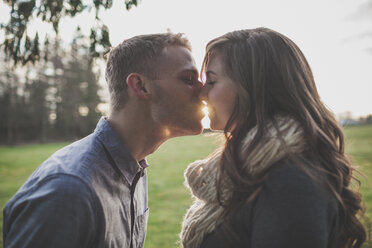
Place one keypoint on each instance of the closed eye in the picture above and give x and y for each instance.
(190, 80)
(190, 77)
(211, 83)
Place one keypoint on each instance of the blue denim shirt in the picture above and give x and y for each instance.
(81, 197)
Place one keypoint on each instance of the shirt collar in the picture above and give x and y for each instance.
(119, 152)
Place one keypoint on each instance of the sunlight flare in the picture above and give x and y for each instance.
(205, 120)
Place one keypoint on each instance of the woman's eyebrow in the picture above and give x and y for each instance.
(209, 72)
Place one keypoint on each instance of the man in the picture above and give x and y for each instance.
(93, 193)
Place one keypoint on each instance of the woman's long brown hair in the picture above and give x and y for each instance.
(274, 78)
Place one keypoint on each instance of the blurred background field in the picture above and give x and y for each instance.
(168, 198)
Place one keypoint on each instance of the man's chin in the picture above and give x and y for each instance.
(198, 130)
(192, 129)
(195, 126)
(195, 129)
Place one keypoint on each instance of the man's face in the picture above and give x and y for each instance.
(175, 102)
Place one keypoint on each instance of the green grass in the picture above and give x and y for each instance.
(168, 198)
(16, 164)
(359, 146)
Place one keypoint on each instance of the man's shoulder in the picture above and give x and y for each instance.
(51, 188)
(75, 162)
(59, 200)
(58, 184)
(72, 159)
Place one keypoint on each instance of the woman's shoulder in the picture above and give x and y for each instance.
(294, 207)
(295, 176)
(295, 187)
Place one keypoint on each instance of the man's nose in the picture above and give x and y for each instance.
(203, 94)
(198, 86)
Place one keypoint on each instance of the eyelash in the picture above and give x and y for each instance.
(189, 80)
(211, 83)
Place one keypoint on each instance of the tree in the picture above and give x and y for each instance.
(51, 99)
(23, 49)
(77, 98)
(9, 86)
(23, 103)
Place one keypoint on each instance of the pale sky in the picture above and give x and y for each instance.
(331, 34)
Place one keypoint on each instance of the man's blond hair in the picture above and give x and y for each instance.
(139, 54)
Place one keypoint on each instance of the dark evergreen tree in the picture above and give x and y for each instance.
(57, 97)
(77, 92)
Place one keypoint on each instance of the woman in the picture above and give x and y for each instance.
(282, 179)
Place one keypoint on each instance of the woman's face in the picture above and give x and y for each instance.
(219, 92)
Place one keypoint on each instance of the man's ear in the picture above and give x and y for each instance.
(136, 85)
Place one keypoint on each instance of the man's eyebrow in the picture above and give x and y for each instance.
(193, 71)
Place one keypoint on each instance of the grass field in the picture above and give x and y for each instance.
(168, 198)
